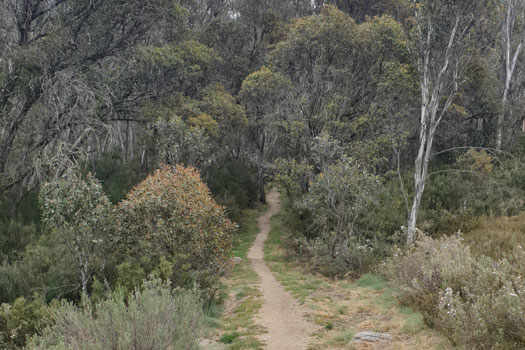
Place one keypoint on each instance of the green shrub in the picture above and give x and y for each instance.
(46, 267)
(21, 320)
(456, 197)
(154, 317)
(338, 239)
(172, 216)
(77, 214)
(14, 237)
(333, 255)
(14, 281)
(477, 301)
(20, 205)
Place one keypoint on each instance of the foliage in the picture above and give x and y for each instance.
(337, 239)
(229, 87)
(22, 319)
(153, 317)
(14, 237)
(77, 213)
(24, 209)
(477, 301)
(261, 90)
(46, 266)
(171, 214)
(233, 185)
(263, 94)
(13, 281)
(178, 141)
(478, 184)
(227, 113)
(116, 175)
(185, 66)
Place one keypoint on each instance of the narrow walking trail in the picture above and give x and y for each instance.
(280, 314)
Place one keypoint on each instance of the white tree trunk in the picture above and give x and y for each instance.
(433, 89)
(510, 65)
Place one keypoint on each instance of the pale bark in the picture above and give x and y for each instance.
(433, 89)
(511, 56)
(260, 167)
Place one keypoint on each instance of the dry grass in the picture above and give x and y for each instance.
(343, 308)
(496, 236)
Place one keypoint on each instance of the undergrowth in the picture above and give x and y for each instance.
(477, 301)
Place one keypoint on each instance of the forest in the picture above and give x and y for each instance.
(136, 135)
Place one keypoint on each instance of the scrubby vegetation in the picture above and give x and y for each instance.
(134, 134)
(91, 252)
(474, 299)
(154, 316)
(170, 223)
(332, 219)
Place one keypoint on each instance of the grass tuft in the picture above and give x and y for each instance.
(228, 338)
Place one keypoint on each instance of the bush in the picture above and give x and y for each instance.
(479, 302)
(77, 214)
(171, 214)
(455, 198)
(14, 237)
(20, 320)
(47, 266)
(338, 239)
(14, 281)
(337, 256)
(154, 317)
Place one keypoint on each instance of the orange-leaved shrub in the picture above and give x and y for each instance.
(478, 302)
(171, 225)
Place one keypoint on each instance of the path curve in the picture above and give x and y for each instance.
(280, 314)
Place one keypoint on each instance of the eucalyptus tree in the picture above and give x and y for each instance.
(264, 94)
(54, 66)
(76, 214)
(360, 10)
(513, 37)
(343, 76)
(320, 56)
(439, 33)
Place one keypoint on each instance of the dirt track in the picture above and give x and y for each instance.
(281, 315)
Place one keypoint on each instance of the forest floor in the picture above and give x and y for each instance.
(274, 302)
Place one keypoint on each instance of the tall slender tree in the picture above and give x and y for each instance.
(439, 33)
(513, 36)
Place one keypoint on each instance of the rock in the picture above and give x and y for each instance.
(236, 260)
(371, 337)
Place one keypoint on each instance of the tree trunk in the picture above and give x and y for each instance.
(260, 176)
(501, 120)
(511, 60)
(420, 175)
(432, 93)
